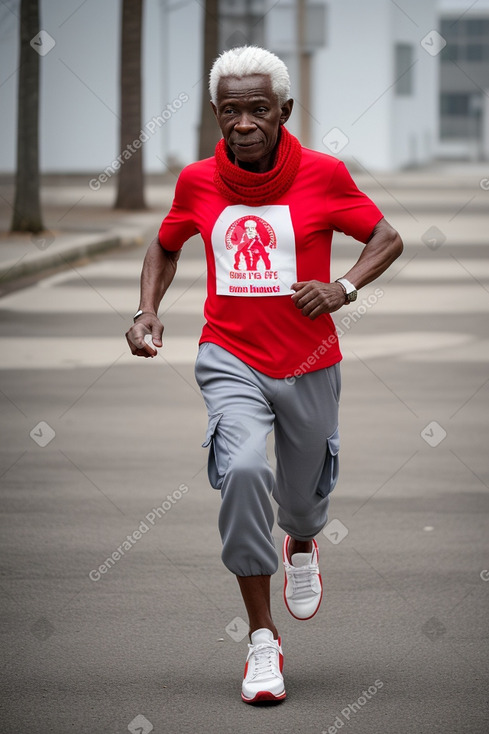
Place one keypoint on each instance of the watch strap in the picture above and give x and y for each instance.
(140, 313)
(349, 288)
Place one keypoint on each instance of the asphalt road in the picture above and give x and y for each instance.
(100, 458)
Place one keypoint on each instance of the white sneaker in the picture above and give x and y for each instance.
(303, 587)
(263, 679)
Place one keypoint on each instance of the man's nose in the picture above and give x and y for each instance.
(245, 124)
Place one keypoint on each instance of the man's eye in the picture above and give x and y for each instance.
(261, 110)
(228, 111)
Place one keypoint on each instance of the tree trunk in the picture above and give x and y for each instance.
(209, 131)
(130, 189)
(27, 207)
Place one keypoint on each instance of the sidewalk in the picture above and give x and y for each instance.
(79, 222)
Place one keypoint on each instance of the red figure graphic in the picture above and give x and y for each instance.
(250, 245)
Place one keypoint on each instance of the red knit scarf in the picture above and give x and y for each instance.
(256, 189)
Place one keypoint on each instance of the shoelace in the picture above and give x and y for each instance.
(263, 658)
(302, 578)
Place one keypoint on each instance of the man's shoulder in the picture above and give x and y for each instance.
(198, 171)
(318, 158)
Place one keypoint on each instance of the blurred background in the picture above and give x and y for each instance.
(362, 68)
(100, 106)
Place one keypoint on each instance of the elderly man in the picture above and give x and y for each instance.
(265, 325)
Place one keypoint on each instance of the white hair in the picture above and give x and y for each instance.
(246, 61)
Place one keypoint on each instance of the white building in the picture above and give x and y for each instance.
(374, 90)
(375, 80)
(464, 80)
(79, 125)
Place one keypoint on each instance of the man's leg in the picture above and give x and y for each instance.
(240, 418)
(255, 591)
(266, 258)
(307, 443)
(250, 260)
(300, 546)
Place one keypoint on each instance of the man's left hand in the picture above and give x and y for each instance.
(315, 298)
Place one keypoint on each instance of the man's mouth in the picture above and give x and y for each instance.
(246, 144)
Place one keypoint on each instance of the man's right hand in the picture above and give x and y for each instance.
(147, 323)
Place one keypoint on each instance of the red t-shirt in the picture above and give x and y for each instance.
(254, 255)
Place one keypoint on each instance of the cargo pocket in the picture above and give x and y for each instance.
(329, 475)
(217, 452)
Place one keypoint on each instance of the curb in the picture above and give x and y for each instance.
(45, 261)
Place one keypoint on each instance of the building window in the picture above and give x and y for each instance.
(241, 23)
(403, 65)
(455, 104)
(477, 27)
(464, 74)
(475, 52)
(467, 40)
(460, 115)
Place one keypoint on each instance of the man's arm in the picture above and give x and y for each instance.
(158, 271)
(315, 298)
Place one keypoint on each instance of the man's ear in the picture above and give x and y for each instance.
(214, 109)
(286, 111)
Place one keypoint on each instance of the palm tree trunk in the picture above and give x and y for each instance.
(130, 189)
(208, 130)
(27, 207)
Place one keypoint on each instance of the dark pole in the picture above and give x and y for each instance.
(130, 185)
(27, 206)
(209, 131)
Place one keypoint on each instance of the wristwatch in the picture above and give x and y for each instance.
(350, 290)
(137, 315)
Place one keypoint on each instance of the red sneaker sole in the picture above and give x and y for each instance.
(264, 696)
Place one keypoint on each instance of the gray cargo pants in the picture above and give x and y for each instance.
(243, 406)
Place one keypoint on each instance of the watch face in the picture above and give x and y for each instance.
(352, 296)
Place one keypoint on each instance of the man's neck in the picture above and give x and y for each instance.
(262, 166)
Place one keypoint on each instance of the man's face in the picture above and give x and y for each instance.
(249, 115)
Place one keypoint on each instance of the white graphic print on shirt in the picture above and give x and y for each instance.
(254, 250)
